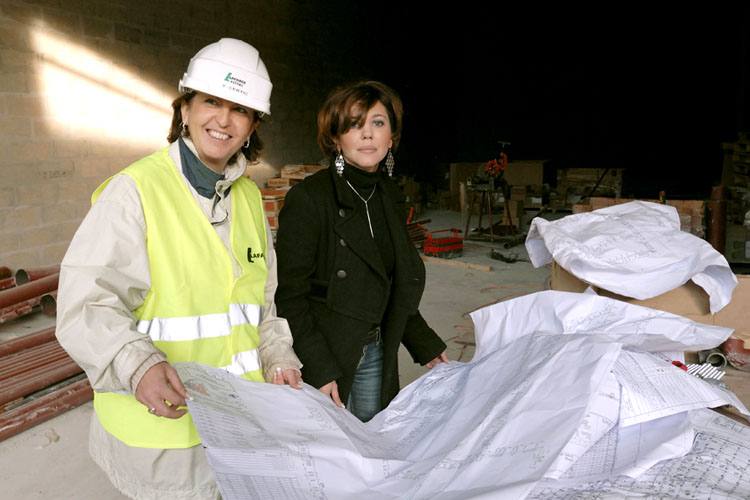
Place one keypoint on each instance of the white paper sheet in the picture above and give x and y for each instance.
(715, 468)
(634, 249)
(444, 436)
(540, 398)
(653, 388)
(566, 312)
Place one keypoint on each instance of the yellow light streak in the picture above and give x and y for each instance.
(95, 98)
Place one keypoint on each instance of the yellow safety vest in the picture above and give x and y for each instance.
(194, 310)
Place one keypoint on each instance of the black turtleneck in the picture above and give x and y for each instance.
(364, 183)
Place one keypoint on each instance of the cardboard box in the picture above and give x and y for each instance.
(518, 173)
(688, 300)
(522, 173)
(690, 212)
(525, 172)
(518, 193)
(513, 212)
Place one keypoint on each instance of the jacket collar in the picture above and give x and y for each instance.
(357, 235)
(204, 180)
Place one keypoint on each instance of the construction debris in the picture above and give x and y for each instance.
(417, 232)
(511, 258)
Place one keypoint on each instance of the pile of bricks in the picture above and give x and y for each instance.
(273, 200)
(278, 187)
(292, 174)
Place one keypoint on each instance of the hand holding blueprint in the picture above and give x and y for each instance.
(564, 390)
(634, 249)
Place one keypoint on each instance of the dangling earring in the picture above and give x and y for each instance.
(247, 143)
(339, 164)
(389, 163)
(184, 128)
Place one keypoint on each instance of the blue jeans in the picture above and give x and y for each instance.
(364, 398)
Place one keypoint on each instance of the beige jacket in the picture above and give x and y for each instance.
(105, 276)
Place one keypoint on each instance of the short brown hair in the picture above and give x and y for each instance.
(348, 105)
(252, 152)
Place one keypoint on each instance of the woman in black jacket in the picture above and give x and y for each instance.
(350, 279)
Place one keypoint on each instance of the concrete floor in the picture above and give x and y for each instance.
(51, 461)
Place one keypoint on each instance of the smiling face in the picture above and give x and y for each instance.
(365, 146)
(217, 127)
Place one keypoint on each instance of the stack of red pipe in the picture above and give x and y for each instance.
(28, 289)
(6, 278)
(38, 381)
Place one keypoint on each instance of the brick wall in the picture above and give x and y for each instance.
(85, 87)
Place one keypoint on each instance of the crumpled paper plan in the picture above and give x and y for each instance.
(715, 468)
(565, 391)
(634, 249)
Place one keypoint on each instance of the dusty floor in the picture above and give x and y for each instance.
(51, 461)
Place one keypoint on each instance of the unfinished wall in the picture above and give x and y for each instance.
(86, 86)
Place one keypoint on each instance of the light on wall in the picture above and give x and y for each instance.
(92, 97)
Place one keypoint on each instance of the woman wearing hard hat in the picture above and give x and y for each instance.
(152, 276)
(350, 279)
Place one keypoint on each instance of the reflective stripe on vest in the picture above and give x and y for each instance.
(196, 327)
(244, 362)
(194, 310)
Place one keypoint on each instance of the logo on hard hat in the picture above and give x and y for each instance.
(234, 80)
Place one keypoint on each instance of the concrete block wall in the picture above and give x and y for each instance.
(85, 88)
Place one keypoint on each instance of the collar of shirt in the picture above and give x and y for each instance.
(204, 180)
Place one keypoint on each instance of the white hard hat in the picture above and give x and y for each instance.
(232, 70)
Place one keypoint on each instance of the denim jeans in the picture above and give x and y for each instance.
(364, 398)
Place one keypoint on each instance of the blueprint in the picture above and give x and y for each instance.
(715, 468)
(565, 390)
(635, 249)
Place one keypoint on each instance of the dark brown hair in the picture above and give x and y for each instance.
(252, 152)
(347, 106)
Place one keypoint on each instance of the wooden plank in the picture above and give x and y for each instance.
(456, 263)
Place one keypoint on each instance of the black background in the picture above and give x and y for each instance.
(652, 90)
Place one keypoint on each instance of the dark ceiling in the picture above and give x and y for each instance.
(655, 91)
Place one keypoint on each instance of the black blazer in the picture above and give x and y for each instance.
(333, 286)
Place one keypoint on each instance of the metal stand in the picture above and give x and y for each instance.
(486, 194)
